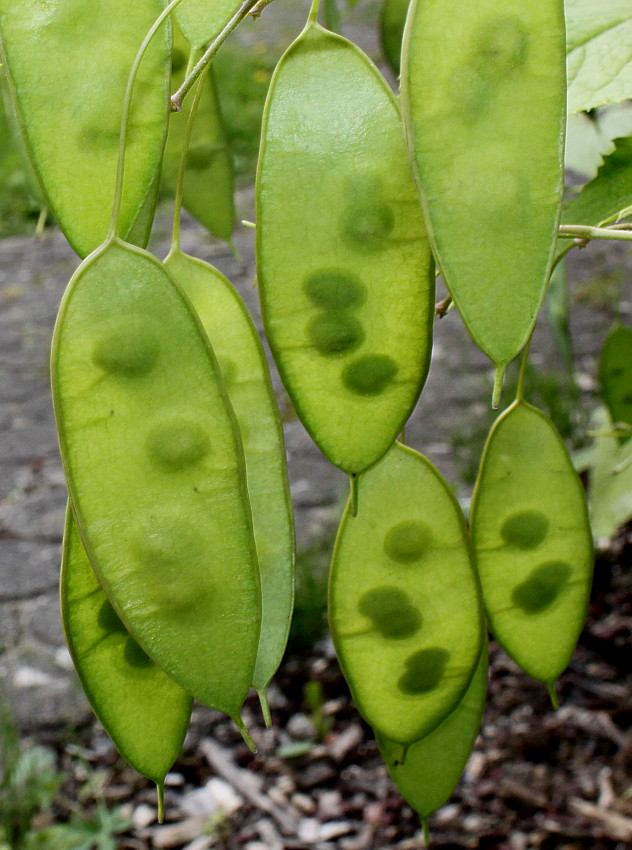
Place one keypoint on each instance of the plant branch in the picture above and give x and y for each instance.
(246, 8)
(586, 233)
(258, 8)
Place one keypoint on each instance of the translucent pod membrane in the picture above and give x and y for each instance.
(202, 20)
(428, 771)
(345, 271)
(144, 711)
(532, 542)
(207, 189)
(477, 80)
(70, 109)
(156, 472)
(245, 374)
(405, 613)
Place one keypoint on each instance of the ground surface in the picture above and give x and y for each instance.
(536, 779)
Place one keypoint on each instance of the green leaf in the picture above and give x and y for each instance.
(609, 194)
(599, 48)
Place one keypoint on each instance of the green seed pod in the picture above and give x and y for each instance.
(615, 375)
(348, 314)
(207, 189)
(468, 107)
(144, 712)
(242, 361)
(202, 20)
(430, 769)
(392, 22)
(156, 472)
(404, 609)
(70, 111)
(532, 542)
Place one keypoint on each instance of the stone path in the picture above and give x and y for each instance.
(35, 668)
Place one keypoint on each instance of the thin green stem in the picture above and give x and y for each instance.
(426, 829)
(581, 231)
(41, 222)
(244, 10)
(553, 695)
(127, 102)
(312, 18)
(523, 371)
(245, 734)
(258, 8)
(560, 257)
(160, 788)
(353, 482)
(499, 377)
(177, 204)
(265, 708)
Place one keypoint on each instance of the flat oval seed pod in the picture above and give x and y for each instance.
(208, 179)
(432, 767)
(532, 542)
(245, 372)
(392, 22)
(202, 20)
(615, 374)
(404, 611)
(144, 712)
(156, 472)
(70, 109)
(345, 271)
(477, 80)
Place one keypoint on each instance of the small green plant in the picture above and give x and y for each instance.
(29, 782)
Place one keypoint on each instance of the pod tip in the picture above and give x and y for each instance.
(245, 734)
(265, 708)
(554, 698)
(235, 251)
(160, 789)
(353, 496)
(426, 829)
(498, 387)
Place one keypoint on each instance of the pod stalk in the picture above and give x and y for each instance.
(555, 702)
(160, 790)
(498, 387)
(353, 495)
(265, 708)
(245, 734)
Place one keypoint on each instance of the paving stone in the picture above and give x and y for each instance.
(9, 626)
(42, 620)
(40, 691)
(27, 568)
(38, 516)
